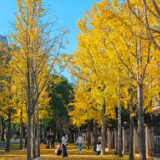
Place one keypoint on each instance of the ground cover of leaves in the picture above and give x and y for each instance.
(48, 154)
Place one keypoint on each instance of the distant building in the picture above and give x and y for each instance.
(3, 39)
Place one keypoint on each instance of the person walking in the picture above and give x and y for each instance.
(64, 148)
(79, 142)
(52, 137)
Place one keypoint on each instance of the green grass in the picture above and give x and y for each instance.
(12, 147)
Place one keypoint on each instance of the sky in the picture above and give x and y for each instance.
(68, 12)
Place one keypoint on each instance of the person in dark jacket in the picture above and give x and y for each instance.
(52, 137)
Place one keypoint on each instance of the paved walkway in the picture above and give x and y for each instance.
(2, 144)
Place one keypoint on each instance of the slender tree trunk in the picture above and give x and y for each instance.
(79, 129)
(13, 133)
(102, 121)
(38, 131)
(54, 128)
(33, 137)
(95, 136)
(1, 125)
(56, 132)
(2, 128)
(103, 129)
(9, 130)
(29, 138)
(50, 130)
(141, 132)
(131, 156)
(32, 143)
(43, 134)
(119, 124)
(88, 133)
(21, 132)
(29, 114)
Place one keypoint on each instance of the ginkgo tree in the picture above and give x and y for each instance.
(91, 60)
(35, 52)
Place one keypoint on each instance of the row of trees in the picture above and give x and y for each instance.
(117, 63)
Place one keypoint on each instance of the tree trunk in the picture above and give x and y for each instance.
(119, 124)
(1, 125)
(50, 130)
(21, 132)
(95, 136)
(9, 130)
(43, 134)
(102, 121)
(54, 127)
(2, 128)
(13, 133)
(141, 132)
(33, 137)
(38, 131)
(29, 139)
(88, 132)
(103, 129)
(131, 156)
(28, 114)
(56, 132)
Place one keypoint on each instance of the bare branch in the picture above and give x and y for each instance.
(149, 32)
(156, 8)
(148, 60)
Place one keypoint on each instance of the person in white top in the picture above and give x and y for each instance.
(98, 149)
(79, 142)
(64, 140)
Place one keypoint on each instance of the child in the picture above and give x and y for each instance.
(58, 150)
(98, 150)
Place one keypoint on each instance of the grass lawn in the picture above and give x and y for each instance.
(13, 147)
(48, 154)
